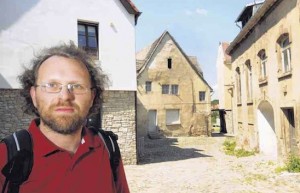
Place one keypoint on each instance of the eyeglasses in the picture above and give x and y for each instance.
(54, 87)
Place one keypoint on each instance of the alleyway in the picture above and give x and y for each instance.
(198, 164)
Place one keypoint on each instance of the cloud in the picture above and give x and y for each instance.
(188, 12)
(199, 11)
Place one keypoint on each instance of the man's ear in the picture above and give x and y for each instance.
(33, 95)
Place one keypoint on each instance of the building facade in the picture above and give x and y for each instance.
(266, 71)
(173, 97)
(105, 29)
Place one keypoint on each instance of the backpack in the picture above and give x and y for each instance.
(20, 157)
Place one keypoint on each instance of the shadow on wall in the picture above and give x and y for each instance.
(14, 10)
(164, 150)
(4, 83)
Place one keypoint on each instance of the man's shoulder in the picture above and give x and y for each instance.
(3, 161)
(3, 153)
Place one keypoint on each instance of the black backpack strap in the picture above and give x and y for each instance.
(19, 160)
(110, 141)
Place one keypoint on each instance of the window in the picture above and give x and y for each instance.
(172, 117)
(148, 86)
(285, 54)
(249, 80)
(174, 89)
(238, 83)
(202, 96)
(263, 62)
(88, 38)
(165, 89)
(169, 63)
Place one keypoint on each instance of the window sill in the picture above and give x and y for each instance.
(173, 124)
(249, 102)
(285, 75)
(263, 81)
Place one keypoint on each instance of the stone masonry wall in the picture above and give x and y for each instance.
(12, 117)
(119, 116)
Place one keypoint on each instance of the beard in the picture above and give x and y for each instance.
(63, 124)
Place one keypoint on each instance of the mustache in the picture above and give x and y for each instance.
(65, 104)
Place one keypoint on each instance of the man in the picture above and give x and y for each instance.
(62, 88)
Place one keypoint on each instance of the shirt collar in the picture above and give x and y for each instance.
(42, 146)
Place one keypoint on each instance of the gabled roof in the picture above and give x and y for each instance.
(131, 8)
(143, 59)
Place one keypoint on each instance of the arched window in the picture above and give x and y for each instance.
(249, 80)
(285, 52)
(238, 85)
(263, 63)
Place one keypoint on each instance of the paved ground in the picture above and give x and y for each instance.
(198, 164)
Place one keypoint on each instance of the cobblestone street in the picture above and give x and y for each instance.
(198, 164)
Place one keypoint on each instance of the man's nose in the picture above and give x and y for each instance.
(66, 93)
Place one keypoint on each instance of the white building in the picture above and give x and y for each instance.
(105, 28)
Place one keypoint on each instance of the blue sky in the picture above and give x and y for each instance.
(197, 25)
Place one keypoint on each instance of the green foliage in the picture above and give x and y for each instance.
(293, 164)
(230, 149)
(215, 102)
(214, 116)
(243, 153)
(280, 169)
(255, 177)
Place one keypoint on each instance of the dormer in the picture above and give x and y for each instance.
(248, 11)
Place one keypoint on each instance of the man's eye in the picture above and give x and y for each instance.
(78, 87)
(52, 85)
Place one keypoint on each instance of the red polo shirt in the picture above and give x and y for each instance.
(57, 171)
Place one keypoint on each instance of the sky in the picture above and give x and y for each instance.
(197, 25)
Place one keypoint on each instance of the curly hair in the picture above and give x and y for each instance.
(28, 78)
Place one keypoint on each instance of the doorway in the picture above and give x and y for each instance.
(266, 129)
(152, 121)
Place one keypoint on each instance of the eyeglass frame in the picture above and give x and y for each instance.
(70, 87)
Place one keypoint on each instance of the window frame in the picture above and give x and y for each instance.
(148, 86)
(169, 63)
(239, 86)
(263, 64)
(174, 89)
(285, 46)
(202, 96)
(93, 51)
(173, 121)
(249, 80)
(165, 89)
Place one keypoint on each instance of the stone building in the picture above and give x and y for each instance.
(265, 72)
(173, 97)
(105, 29)
(225, 89)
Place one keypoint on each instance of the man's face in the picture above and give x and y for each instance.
(63, 112)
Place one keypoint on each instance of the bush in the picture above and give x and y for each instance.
(293, 164)
(229, 147)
